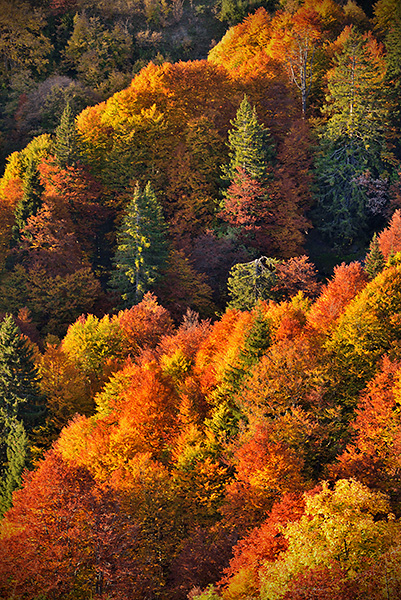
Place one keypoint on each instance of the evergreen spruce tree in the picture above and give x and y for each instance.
(142, 249)
(226, 414)
(18, 388)
(388, 21)
(31, 200)
(251, 147)
(374, 261)
(246, 206)
(65, 142)
(18, 374)
(16, 443)
(257, 340)
(352, 140)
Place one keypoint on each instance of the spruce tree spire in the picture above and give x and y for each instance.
(65, 143)
(352, 139)
(18, 386)
(16, 443)
(141, 247)
(374, 261)
(18, 373)
(31, 200)
(251, 148)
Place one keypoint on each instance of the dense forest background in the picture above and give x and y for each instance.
(200, 237)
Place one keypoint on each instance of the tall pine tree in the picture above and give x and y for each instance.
(142, 249)
(247, 206)
(374, 260)
(388, 22)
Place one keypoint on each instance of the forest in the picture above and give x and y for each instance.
(200, 300)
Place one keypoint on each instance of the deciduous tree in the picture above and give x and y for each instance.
(338, 527)
(85, 542)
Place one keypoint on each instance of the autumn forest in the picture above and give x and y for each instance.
(200, 300)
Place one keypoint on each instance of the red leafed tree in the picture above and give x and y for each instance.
(250, 210)
(182, 287)
(246, 204)
(390, 238)
(297, 275)
(347, 282)
(291, 191)
(214, 257)
(48, 242)
(187, 338)
(201, 560)
(60, 7)
(67, 534)
(80, 194)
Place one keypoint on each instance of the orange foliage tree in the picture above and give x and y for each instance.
(390, 238)
(265, 470)
(347, 282)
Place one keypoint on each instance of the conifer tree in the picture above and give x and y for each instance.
(16, 450)
(18, 373)
(65, 143)
(247, 206)
(251, 147)
(353, 138)
(374, 261)
(388, 21)
(142, 250)
(226, 414)
(31, 200)
(17, 388)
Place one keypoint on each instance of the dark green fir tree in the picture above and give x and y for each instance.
(65, 142)
(31, 200)
(374, 261)
(16, 446)
(226, 413)
(18, 374)
(388, 24)
(142, 249)
(353, 140)
(19, 395)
